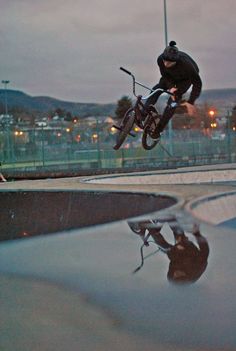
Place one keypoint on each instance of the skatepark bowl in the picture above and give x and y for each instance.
(67, 262)
(30, 213)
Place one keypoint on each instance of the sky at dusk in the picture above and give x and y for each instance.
(72, 49)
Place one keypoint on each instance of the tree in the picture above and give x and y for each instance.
(60, 112)
(68, 117)
(122, 106)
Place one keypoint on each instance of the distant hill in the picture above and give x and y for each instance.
(218, 97)
(226, 97)
(45, 104)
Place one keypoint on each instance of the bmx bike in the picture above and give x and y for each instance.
(134, 116)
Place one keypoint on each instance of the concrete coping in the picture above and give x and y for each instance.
(214, 209)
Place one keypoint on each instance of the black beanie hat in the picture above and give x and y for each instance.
(171, 52)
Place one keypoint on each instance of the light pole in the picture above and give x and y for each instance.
(165, 23)
(5, 82)
(229, 136)
(166, 44)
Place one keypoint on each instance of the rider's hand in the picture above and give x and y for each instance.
(172, 91)
(191, 109)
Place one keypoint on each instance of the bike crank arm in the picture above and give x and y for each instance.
(118, 128)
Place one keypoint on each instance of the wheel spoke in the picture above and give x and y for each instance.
(125, 128)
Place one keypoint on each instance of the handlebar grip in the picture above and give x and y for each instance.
(125, 70)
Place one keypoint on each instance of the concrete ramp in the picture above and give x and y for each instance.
(215, 209)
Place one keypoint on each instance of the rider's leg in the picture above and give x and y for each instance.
(167, 115)
(170, 109)
(179, 234)
(159, 240)
(153, 99)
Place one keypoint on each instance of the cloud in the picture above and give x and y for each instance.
(73, 49)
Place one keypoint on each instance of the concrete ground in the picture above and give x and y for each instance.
(75, 290)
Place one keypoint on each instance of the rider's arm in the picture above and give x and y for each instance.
(196, 83)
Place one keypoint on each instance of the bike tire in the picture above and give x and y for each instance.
(148, 142)
(126, 126)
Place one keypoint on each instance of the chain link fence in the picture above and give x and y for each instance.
(89, 145)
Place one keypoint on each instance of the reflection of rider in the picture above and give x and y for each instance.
(187, 261)
(178, 73)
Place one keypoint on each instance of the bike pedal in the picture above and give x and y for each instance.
(156, 137)
(116, 127)
(133, 135)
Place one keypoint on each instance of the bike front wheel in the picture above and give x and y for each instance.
(149, 141)
(125, 127)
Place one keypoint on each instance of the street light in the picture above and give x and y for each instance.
(5, 82)
(211, 113)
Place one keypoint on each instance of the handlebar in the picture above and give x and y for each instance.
(144, 86)
(126, 71)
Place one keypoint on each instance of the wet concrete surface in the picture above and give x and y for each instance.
(77, 288)
(146, 305)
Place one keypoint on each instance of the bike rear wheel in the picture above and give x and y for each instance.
(148, 139)
(125, 127)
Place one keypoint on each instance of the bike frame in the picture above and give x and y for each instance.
(146, 123)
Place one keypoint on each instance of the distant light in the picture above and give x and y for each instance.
(25, 234)
(68, 130)
(212, 113)
(18, 133)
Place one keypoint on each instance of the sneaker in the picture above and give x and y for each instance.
(156, 134)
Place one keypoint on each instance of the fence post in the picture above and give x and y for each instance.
(228, 137)
(43, 151)
(98, 145)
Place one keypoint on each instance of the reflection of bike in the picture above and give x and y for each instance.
(134, 116)
(187, 260)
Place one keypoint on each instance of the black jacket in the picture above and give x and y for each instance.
(184, 73)
(191, 260)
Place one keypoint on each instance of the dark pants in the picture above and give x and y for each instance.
(169, 111)
(162, 243)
